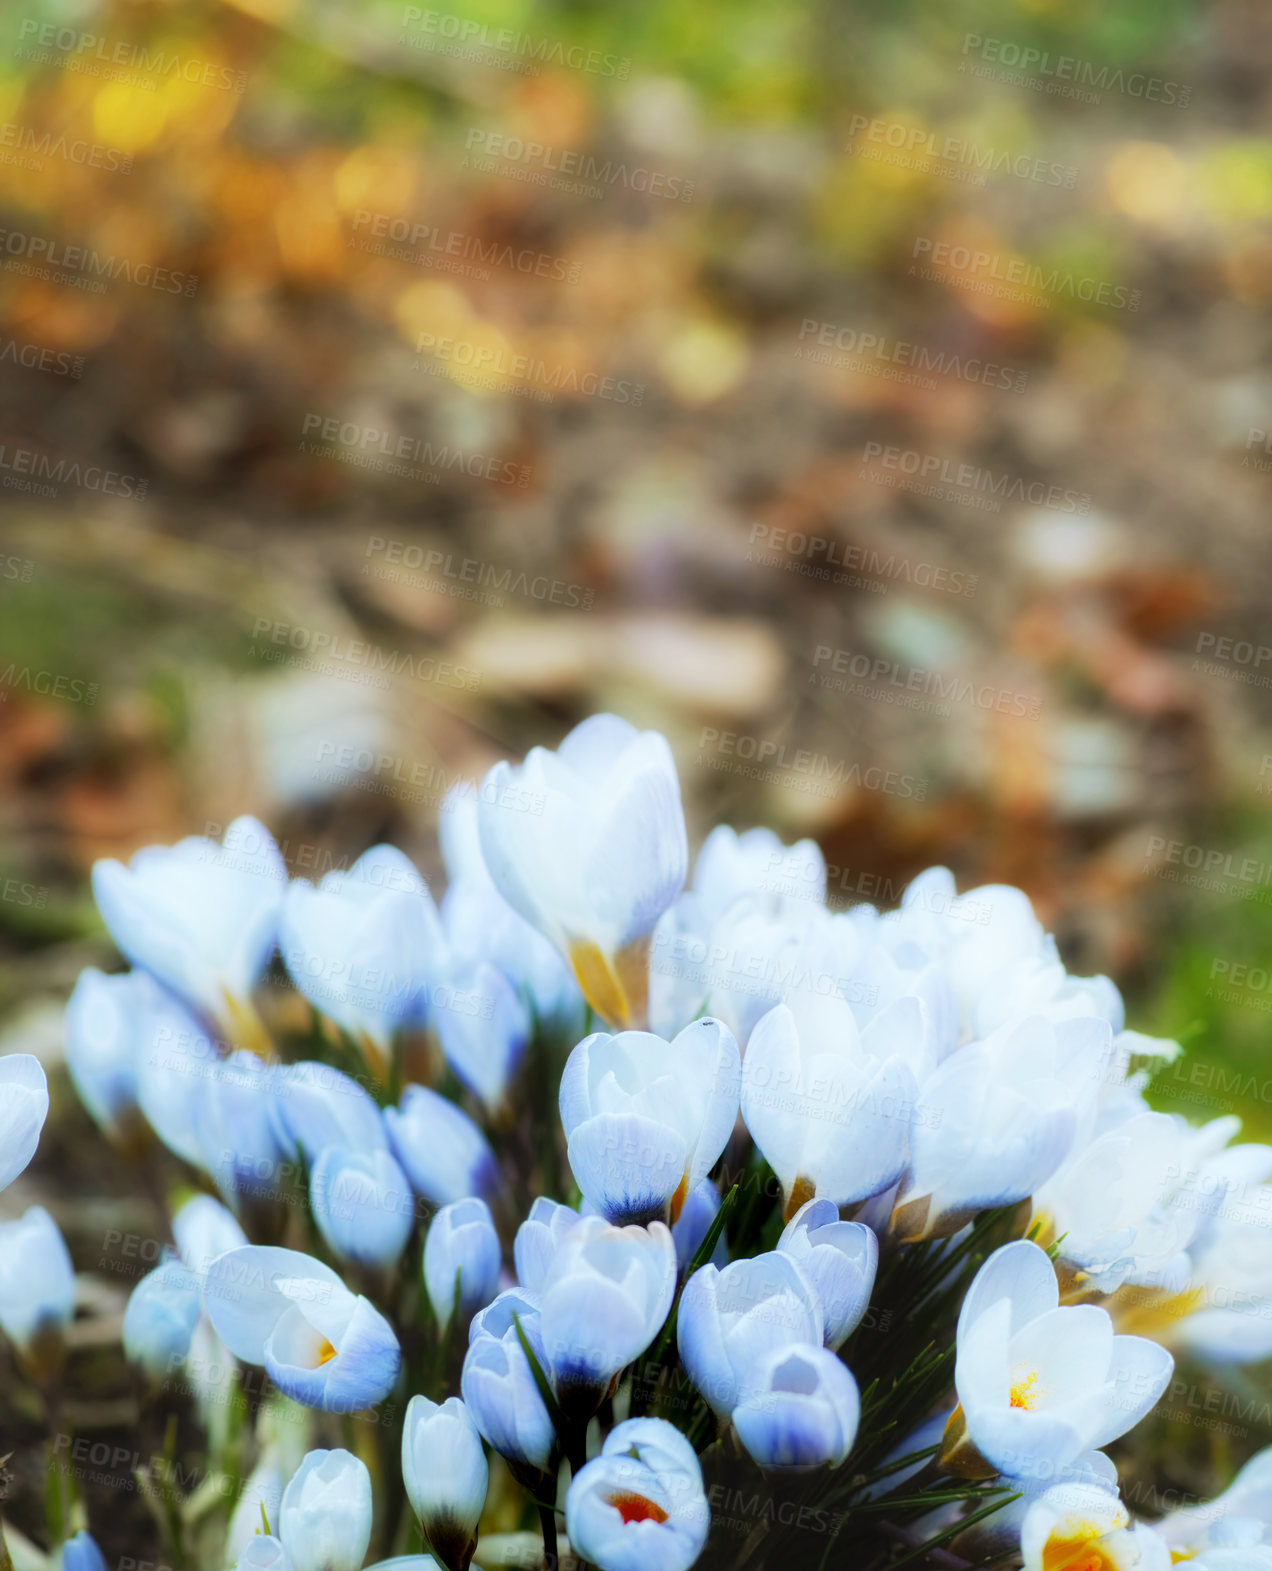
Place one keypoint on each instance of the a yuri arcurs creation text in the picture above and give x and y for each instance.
(617, 1213)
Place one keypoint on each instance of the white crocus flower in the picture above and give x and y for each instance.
(37, 1290)
(829, 1106)
(1109, 1207)
(647, 1119)
(320, 1344)
(1247, 1502)
(202, 918)
(588, 844)
(363, 947)
(996, 1119)
(756, 862)
(325, 1518)
(1038, 1385)
(446, 1475)
(1085, 1527)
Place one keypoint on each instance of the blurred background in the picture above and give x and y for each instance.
(873, 398)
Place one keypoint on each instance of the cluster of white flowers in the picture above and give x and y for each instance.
(796, 1122)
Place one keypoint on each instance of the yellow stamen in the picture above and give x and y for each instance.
(1025, 1392)
(325, 1353)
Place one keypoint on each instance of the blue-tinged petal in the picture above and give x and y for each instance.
(249, 1289)
(359, 1372)
(629, 1167)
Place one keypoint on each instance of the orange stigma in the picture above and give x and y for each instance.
(635, 1508)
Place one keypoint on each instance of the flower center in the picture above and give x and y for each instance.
(325, 1353)
(1080, 1553)
(1024, 1390)
(635, 1508)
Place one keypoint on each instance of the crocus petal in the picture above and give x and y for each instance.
(24, 1105)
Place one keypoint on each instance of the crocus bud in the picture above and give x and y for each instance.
(838, 1258)
(163, 1310)
(500, 1391)
(82, 1554)
(363, 946)
(264, 1553)
(24, 1105)
(442, 1151)
(800, 1409)
(640, 1505)
(605, 858)
(535, 1245)
(363, 1205)
(319, 1343)
(728, 1319)
(484, 1025)
(446, 1476)
(605, 1298)
(827, 1104)
(325, 1521)
(316, 1106)
(204, 1229)
(237, 1127)
(176, 1061)
(461, 1243)
(37, 1290)
(647, 1119)
(479, 922)
(101, 1052)
(202, 918)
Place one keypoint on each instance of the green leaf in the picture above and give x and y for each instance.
(540, 1379)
